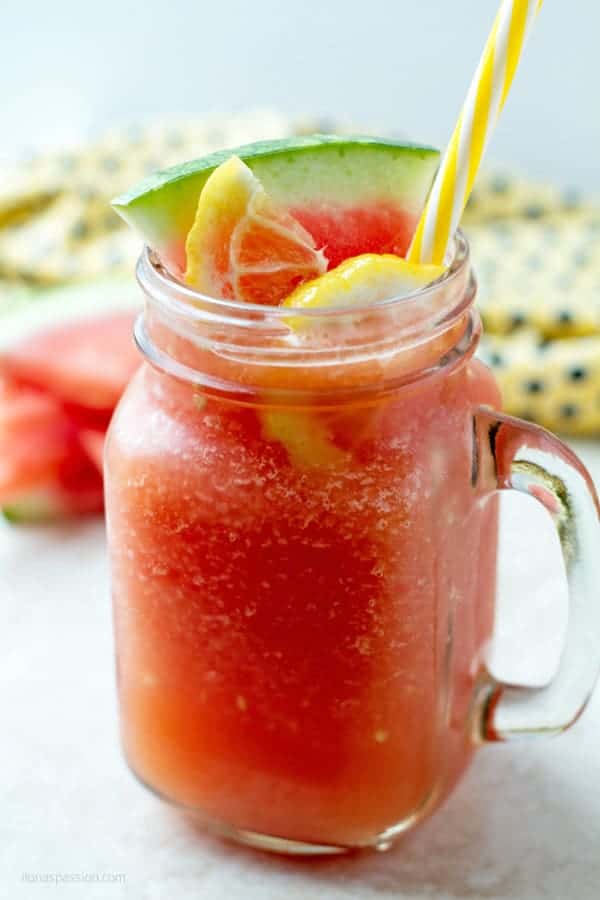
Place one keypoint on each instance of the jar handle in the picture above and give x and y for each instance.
(510, 454)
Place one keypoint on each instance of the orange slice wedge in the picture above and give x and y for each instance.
(242, 247)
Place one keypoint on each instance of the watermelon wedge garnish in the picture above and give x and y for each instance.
(352, 194)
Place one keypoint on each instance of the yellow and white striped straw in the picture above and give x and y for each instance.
(486, 97)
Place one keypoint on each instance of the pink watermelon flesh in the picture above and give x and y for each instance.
(86, 364)
(343, 232)
(44, 469)
(57, 393)
(93, 443)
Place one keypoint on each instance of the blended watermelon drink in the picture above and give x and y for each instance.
(303, 569)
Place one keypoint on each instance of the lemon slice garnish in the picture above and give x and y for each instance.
(363, 281)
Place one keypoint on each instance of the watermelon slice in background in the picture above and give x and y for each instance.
(45, 471)
(84, 363)
(92, 440)
(65, 357)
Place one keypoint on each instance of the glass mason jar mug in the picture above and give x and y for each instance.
(302, 518)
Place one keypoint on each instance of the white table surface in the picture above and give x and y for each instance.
(524, 823)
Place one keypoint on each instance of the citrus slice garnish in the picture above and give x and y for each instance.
(305, 437)
(242, 247)
(360, 281)
(363, 281)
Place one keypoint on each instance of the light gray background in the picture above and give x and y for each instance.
(68, 67)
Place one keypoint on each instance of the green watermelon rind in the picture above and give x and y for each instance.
(261, 149)
(38, 507)
(304, 170)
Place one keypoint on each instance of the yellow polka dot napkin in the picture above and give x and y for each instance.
(536, 252)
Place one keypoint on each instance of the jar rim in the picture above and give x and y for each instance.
(160, 284)
(224, 345)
